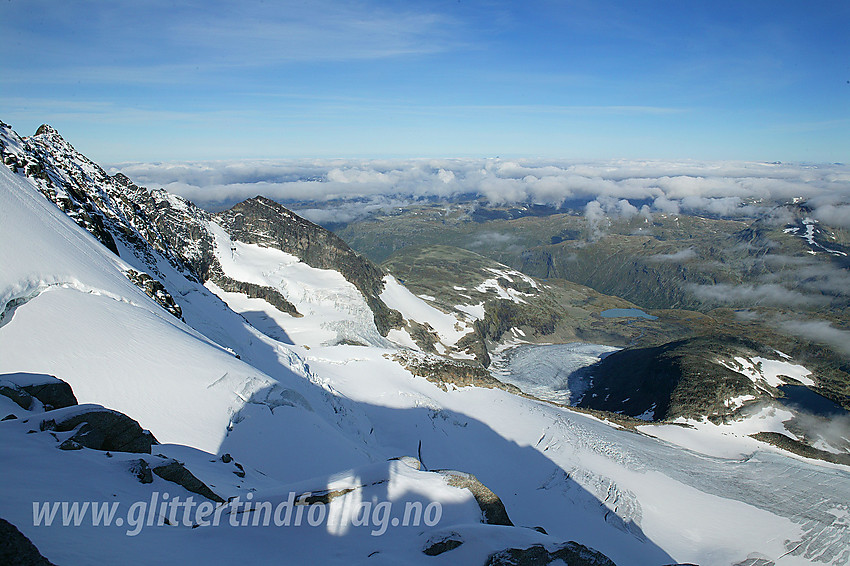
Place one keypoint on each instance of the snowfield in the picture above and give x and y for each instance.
(318, 294)
(770, 371)
(299, 409)
(449, 328)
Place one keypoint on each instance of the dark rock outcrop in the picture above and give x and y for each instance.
(254, 291)
(443, 371)
(177, 473)
(491, 506)
(571, 553)
(801, 449)
(52, 392)
(104, 429)
(424, 336)
(156, 291)
(502, 315)
(16, 549)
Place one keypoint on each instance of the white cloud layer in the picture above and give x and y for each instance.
(618, 188)
(680, 256)
(819, 331)
(769, 294)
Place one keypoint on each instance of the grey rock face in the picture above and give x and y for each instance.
(16, 394)
(172, 225)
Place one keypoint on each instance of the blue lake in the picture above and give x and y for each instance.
(626, 313)
(800, 397)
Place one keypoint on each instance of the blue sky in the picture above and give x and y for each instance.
(164, 80)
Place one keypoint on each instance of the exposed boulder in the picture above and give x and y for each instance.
(176, 472)
(99, 428)
(442, 543)
(491, 506)
(22, 388)
(70, 444)
(16, 394)
(142, 470)
(54, 395)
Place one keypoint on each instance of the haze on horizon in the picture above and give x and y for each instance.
(165, 81)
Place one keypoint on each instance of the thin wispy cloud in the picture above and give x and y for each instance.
(680, 256)
(819, 331)
(475, 78)
(100, 111)
(221, 34)
(315, 31)
(555, 109)
(755, 295)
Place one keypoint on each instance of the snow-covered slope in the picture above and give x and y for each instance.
(207, 385)
(331, 309)
(76, 315)
(770, 372)
(448, 327)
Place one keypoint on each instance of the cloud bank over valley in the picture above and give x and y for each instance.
(610, 189)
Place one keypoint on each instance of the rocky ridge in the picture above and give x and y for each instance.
(155, 226)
